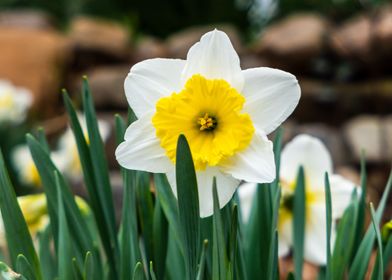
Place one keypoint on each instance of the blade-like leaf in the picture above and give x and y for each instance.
(65, 245)
(48, 264)
(188, 205)
(17, 234)
(345, 239)
(23, 267)
(160, 238)
(328, 204)
(299, 218)
(362, 256)
(138, 273)
(378, 271)
(101, 174)
(202, 262)
(88, 273)
(219, 255)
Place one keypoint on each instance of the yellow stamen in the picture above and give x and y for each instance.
(206, 122)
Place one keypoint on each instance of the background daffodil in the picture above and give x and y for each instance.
(224, 112)
(309, 152)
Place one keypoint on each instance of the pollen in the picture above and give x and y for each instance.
(207, 123)
(209, 113)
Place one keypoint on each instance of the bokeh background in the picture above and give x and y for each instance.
(340, 50)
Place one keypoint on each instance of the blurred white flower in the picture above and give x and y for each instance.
(25, 167)
(14, 103)
(309, 152)
(66, 157)
(224, 112)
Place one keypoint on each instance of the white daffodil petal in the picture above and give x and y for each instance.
(309, 152)
(246, 194)
(214, 58)
(150, 80)
(141, 149)
(285, 238)
(315, 250)
(271, 96)
(254, 164)
(341, 191)
(226, 187)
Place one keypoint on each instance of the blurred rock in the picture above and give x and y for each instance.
(387, 127)
(149, 47)
(349, 173)
(180, 42)
(382, 30)
(34, 59)
(365, 133)
(107, 86)
(99, 38)
(353, 39)
(31, 19)
(296, 39)
(331, 137)
(253, 61)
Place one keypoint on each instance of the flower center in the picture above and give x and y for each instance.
(207, 123)
(208, 113)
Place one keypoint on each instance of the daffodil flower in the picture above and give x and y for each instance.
(309, 152)
(66, 157)
(14, 103)
(25, 166)
(224, 112)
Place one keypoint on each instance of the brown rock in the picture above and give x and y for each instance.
(353, 38)
(34, 59)
(107, 86)
(330, 137)
(149, 47)
(365, 133)
(180, 42)
(387, 127)
(382, 30)
(297, 38)
(31, 19)
(99, 36)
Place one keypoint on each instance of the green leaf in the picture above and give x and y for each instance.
(152, 273)
(101, 174)
(96, 186)
(23, 267)
(233, 244)
(160, 238)
(202, 262)
(378, 271)
(299, 218)
(76, 272)
(48, 264)
(88, 273)
(169, 205)
(328, 204)
(146, 213)
(17, 234)
(362, 256)
(138, 273)
(81, 235)
(387, 251)
(41, 137)
(188, 205)
(65, 244)
(128, 235)
(219, 255)
(273, 250)
(7, 273)
(362, 203)
(345, 238)
(258, 233)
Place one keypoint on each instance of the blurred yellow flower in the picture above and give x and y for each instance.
(25, 167)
